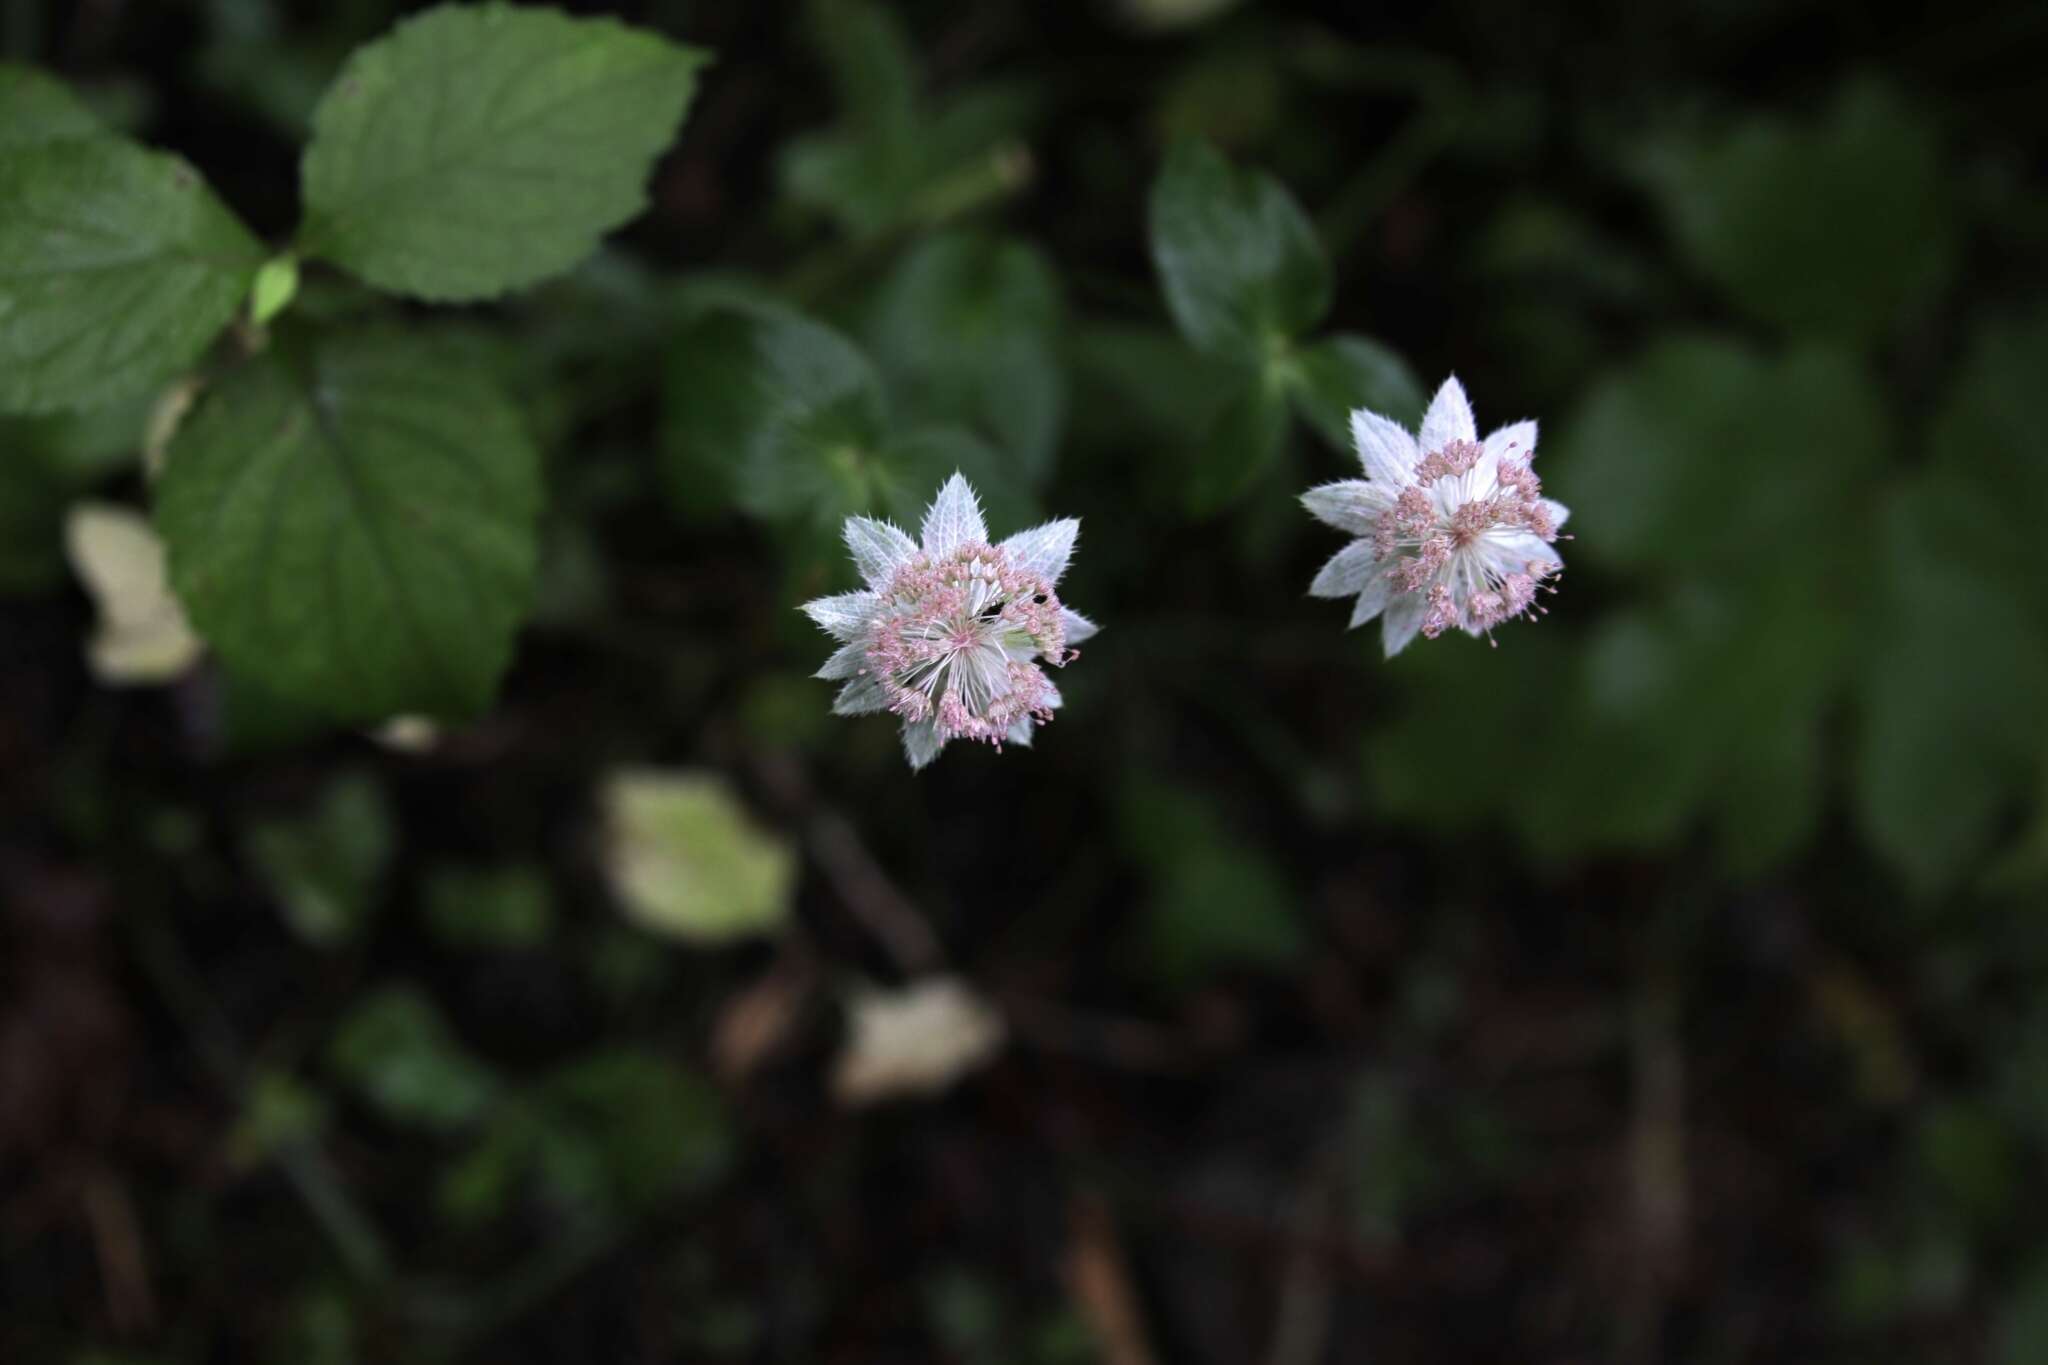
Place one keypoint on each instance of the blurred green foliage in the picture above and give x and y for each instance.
(1717, 891)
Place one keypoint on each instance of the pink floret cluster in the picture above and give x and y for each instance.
(959, 639)
(1437, 526)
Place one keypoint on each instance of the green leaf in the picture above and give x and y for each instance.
(327, 868)
(873, 69)
(1339, 374)
(1240, 264)
(615, 1132)
(2022, 1335)
(1703, 713)
(892, 161)
(1218, 901)
(629, 1128)
(1834, 230)
(507, 907)
(778, 411)
(1706, 710)
(355, 526)
(478, 149)
(1951, 736)
(1988, 444)
(966, 331)
(1951, 745)
(117, 268)
(1242, 442)
(398, 1053)
(1662, 462)
(38, 108)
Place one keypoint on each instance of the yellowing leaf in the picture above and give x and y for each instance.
(688, 862)
(143, 636)
(916, 1041)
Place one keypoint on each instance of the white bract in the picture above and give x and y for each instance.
(948, 634)
(1452, 531)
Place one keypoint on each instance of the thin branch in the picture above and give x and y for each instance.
(863, 887)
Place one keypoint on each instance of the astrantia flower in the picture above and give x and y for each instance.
(1453, 531)
(948, 634)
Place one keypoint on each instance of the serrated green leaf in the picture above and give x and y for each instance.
(1833, 230)
(118, 266)
(479, 149)
(35, 107)
(1340, 374)
(1240, 264)
(965, 331)
(355, 526)
(398, 1053)
(774, 410)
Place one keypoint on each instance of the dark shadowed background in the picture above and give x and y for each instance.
(1664, 984)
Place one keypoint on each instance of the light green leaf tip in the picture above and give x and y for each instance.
(277, 284)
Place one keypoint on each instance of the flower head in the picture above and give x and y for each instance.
(1452, 531)
(949, 634)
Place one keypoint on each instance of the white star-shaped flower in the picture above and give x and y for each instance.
(1452, 531)
(949, 634)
